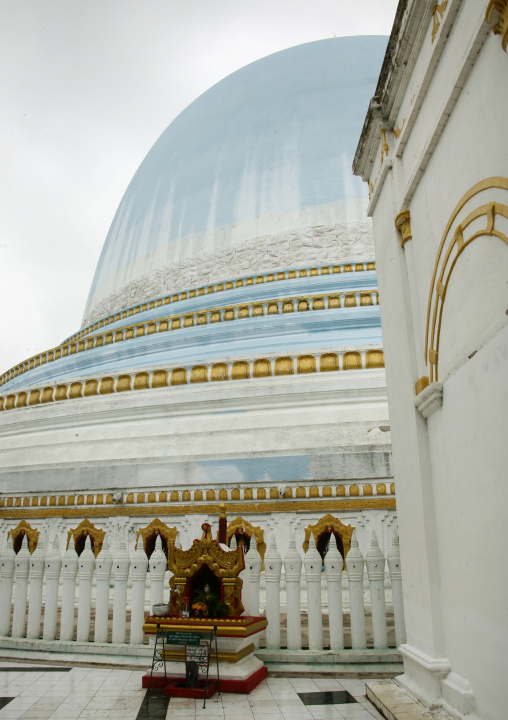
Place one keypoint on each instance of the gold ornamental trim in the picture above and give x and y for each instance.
(244, 526)
(437, 17)
(314, 490)
(197, 318)
(450, 249)
(330, 524)
(22, 529)
(244, 281)
(501, 27)
(156, 527)
(209, 372)
(230, 657)
(211, 509)
(403, 225)
(226, 627)
(86, 528)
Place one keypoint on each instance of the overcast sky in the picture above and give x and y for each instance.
(86, 89)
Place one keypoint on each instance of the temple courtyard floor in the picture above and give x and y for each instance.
(39, 692)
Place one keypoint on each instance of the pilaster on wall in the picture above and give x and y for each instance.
(411, 453)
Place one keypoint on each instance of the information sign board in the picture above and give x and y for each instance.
(197, 654)
(183, 638)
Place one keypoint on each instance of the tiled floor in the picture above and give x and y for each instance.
(39, 693)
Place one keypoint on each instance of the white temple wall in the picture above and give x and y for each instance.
(449, 449)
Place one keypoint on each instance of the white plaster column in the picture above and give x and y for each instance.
(158, 564)
(103, 565)
(86, 564)
(7, 563)
(37, 567)
(375, 561)
(121, 565)
(273, 567)
(293, 571)
(355, 563)
(53, 564)
(69, 572)
(334, 566)
(22, 568)
(139, 565)
(313, 564)
(393, 559)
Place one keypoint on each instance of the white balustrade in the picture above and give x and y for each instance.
(53, 564)
(21, 571)
(313, 565)
(158, 564)
(139, 565)
(7, 564)
(121, 565)
(69, 573)
(334, 566)
(293, 572)
(86, 564)
(38, 577)
(37, 567)
(393, 560)
(103, 565)
(355, 564)
(375, 561)
(273, 567)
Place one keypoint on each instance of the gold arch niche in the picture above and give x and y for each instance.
(149, 535)
(17, 534)
(451, 247)
(245, 527)
(329, 524)
(84, 529)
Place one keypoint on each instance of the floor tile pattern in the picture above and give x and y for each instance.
(102, 694)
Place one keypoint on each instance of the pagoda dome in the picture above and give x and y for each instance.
(246, 209)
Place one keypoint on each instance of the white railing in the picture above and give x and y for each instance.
(68, 599)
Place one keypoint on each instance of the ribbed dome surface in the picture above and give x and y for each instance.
(266, 151)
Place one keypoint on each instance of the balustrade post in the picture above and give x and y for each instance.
(7, 563)
(355, 564)
(37, 567)
(273, 567)
(375, 561)
(393, 559)
(69, 573)
(86, 564)
(22, 568)
(53, 567)
(293, 571)
(334, 566)
(121, 565)
(313, 564)
(158, 564)
(139, 565)
(103, 565)
(254, 563)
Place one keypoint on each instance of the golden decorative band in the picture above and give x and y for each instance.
(196, 496)
(196, 318)
(387, 503)
(213, 372)
(221, 286)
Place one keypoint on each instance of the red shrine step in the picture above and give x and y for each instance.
(175, 686)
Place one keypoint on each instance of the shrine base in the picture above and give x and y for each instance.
(240, 677)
